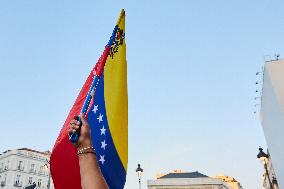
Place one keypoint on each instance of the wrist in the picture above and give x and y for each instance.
(87, 143)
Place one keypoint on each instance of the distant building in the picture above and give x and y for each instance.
(231, 181)
(24, 167)
(272, 115)
(188, 180)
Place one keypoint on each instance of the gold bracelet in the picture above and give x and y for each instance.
(86, 148)
(86, 152)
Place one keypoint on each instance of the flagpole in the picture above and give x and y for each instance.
(97, 72)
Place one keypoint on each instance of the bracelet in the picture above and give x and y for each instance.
(86, 152)
(86, 149)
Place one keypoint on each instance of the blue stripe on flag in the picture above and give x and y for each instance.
(107, 156)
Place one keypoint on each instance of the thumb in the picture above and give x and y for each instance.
(83, 119)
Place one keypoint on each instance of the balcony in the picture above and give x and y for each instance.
(32, 171)
(17, 183)
(41, 172)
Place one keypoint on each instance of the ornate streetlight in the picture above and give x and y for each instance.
(139, 172)
(264, 159)
(47, 165)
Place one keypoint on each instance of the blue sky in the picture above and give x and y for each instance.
(191, 75)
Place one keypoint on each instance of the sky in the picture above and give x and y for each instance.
(191, 78)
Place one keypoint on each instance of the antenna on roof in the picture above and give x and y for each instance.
(277, 56)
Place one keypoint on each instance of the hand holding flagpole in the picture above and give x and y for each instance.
(84, 139)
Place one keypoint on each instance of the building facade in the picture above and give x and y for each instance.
(24, 167)
(272, 115)
(188, 180)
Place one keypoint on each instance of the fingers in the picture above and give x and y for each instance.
(74, 126)
(74, 121)
(83, 119)
(71, 131)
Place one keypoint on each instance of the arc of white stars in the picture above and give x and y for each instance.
(100, 118)
(104, 144)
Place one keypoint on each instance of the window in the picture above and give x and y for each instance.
(30, 180)
(3, 182)
(7, 165)
(32, 167)
(2, 166)
(18, 178)
(20, 164)
(41, 169)
(17, 181)
(39, 183)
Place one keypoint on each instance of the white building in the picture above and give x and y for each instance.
(187, 180)
(272, 115)
(24, 167)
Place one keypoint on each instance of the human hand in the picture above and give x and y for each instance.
(84, 134)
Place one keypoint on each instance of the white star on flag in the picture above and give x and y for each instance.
(103, 130)
(100, 118)
(104, 144)
(95, 109)
(102, 159)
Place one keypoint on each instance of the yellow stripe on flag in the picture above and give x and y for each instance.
(115, 76)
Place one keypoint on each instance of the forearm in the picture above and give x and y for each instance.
(91, 176)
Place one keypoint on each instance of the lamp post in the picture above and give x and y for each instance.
(264, 159)
(274, 182)
(47, 165)
(139, 172)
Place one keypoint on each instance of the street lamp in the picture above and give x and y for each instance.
(139, 172)
(47, 165)
(264, 159)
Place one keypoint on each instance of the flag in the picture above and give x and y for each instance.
(107, 115)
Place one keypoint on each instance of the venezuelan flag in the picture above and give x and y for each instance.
(108, 115)
(108, 118)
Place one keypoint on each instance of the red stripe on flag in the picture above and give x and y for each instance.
(101, 62)
(64, 163)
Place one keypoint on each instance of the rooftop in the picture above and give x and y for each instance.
(195, 174)
(30, 150)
